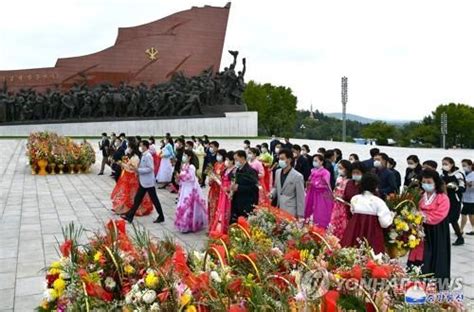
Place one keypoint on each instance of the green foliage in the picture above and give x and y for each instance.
(323, 127)
(351, 303)
(276, 107)
(460, 124)
(380, 131)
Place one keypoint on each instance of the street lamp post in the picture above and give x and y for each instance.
(344, 103)
(444, 128)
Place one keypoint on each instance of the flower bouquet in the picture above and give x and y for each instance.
(406, 232)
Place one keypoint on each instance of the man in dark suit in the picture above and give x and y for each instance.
(179, 150)
(104, 146)
(209, 160)
(117, 170)
(300, 163)
(287, 145)
(369, 163)
(387, 184)
(273, 142)
(245, 188)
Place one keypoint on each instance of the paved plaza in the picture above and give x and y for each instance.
(33, 209)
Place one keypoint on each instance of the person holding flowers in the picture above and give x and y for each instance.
(221, 220)
(191, 212)
(267, 160)
(340, 212)
(319, 200)
(370, 215)
(434, 253)
(214, 173)
(256, 164)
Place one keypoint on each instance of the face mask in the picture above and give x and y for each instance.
(295, 155)
(246, 146)
(128, 150)
(341, 172)
(466, 169)
(238, 164)
(316, 164)
(411, 166)
(184, 159)
(264, 150)
(176, 146)
(428, 187)
(140, 149)
(304, 153)
(282, 164)
(446, 167)
(211, 150)
(377, 164)
(117, 144)
(277, 150)
(227, 163)
(357, 178)
(219, 158)
(250, 156)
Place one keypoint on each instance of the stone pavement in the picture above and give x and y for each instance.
(33, 209)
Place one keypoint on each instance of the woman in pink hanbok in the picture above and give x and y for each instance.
(319, 198)
(341, 210)
(191, 212)
(221, 222)
(257, 165)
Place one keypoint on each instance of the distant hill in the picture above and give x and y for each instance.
(366, 120)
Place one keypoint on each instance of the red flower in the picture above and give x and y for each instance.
(356, 272)
(50, 278)
(221, 250)
(292, 256)
(65, 248)
(330, 301)
(237, 308)
(179, 261)
(163, 296)
(119, 224)
(244, 224)
(291, 244)
(235, 286)
(381, 271)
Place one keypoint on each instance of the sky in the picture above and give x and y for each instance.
(402, 58)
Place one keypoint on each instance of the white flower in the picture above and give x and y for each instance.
(129, 298)
(215, 276)
(393, 234)
(49, 295)
(199, 255)
(299, 296)
(64, 275)
(149, 296)
(155, 307)
(110, 283)
(276, 251)
(411, 237)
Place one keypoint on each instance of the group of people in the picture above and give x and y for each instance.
(345, 196)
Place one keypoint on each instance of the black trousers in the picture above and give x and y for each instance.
(139, 198)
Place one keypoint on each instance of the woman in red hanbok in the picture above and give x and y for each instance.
(267, 161)
(340, 211)
(214, 187)
(222, 216)
(127, 185)
(156, 154)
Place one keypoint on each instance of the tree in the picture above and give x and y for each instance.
(380, 131)
(460, 124)
(276, 107)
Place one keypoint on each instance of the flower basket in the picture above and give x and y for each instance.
(395, 252)
(42, 164)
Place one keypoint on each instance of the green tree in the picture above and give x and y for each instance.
(276, 107)
(460, 124)
(380, 131)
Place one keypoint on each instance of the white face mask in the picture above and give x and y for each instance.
(411, 166)
(277, 150)
(377, 164)
(211, 150)
(219, 158)
(316, 164)
(140, 149)
(227, 163)
(446, 167)
(304, 153)
(264, 150)
(128, 150)
(184, 159)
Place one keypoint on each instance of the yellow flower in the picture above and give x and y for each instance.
(59, 285)
(151, 280)
(337, 276)
(97, 256)
(44, 305)
(191, 308)
(410, 217)
(185, 299)
(304, 254)
(129, 269)
(56, 265)
(418, 219)
(399, 244)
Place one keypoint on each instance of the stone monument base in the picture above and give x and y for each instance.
(236, 124)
